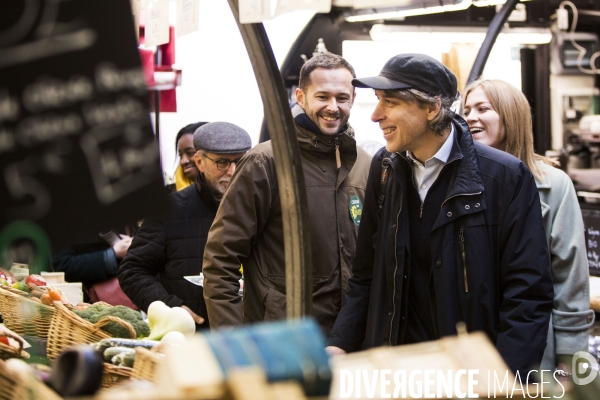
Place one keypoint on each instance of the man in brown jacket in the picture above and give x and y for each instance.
(248, 227)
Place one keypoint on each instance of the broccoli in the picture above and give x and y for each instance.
(96, 312)
(90, 314)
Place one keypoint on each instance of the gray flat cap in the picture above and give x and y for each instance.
(222, 138)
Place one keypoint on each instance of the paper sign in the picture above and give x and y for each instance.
(252, 11)
(320, 6)
(157, 22)
(187, 16)
(135, 11)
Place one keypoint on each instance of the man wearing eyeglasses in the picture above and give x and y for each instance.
(217, 168)
(248, 228)
(171, 246)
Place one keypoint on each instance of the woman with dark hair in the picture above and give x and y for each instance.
(499, 115)
(186, 172)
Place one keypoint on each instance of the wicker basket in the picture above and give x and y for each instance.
(68, 329)
(114, 374)
(12, 386)
(7, 352)
(24, 316)
(146, 362)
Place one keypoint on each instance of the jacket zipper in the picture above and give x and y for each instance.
(461, 245)
(395, 272)
(338, 160)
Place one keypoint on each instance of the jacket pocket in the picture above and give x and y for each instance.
(274, 303)
(463, 255)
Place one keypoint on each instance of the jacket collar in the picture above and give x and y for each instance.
(311, 139)
(466, 179)
(206, 193)
(545, 183)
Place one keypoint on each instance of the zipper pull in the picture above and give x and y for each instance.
(338, 160)
(421, 212)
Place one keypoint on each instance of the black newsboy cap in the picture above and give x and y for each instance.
(413, 71)
(222, 138)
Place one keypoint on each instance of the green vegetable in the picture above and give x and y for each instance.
(111, 352)
(118, 342)
(163, 319)
(96, 312)
(128, 359)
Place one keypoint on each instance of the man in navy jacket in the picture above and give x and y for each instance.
(451, 229)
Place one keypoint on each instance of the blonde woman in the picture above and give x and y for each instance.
(499, 115)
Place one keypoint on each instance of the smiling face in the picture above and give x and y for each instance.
(484, 122)
(405, 124)
(186, 151)
(328, 99)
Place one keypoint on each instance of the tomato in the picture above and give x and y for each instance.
(54, 294)
(36, 280)
(46, 299)
(4, 340)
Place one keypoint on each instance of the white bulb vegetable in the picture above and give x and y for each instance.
(163, 319)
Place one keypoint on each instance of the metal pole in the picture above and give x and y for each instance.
(490, 38)
(292, 190)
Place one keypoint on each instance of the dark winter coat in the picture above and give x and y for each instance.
(165, 249)
(248, 230)
(90, 263)
(501, 286)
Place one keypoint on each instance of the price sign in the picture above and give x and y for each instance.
(77, 152)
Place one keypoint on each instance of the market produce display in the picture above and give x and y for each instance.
(121, 352)
(36, 289)
(27, 306)
(164, 319)
(96, 312)
(6, 279)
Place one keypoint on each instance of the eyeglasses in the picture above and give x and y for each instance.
(223, 164)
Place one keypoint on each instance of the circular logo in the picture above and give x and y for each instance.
(584, 367)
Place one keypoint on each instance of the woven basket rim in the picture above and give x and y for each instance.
(11, 292)
(76, 319)
(10, 351)
(117, 369)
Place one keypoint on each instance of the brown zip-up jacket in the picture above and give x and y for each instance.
(248, 230)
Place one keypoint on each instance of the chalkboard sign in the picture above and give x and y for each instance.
(77, 152)
(591, 222)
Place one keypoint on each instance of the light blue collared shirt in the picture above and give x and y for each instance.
(425, 175)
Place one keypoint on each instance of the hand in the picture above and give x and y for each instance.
(4, 331)
(120, 247)
(334, 351)
(197, 319)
